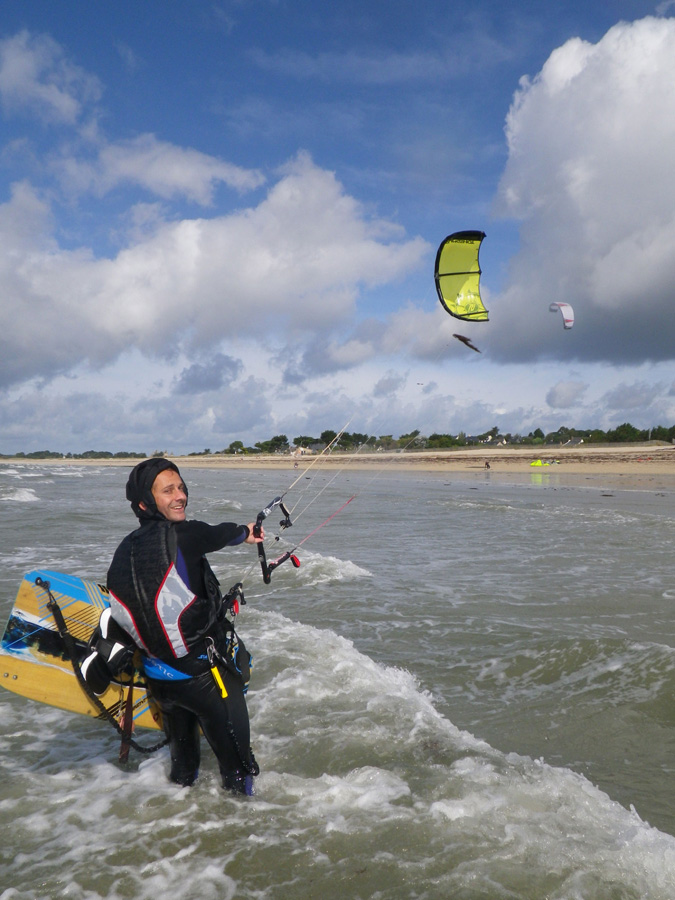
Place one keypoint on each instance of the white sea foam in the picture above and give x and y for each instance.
(316, 568)
(358, 765)
(21, 495)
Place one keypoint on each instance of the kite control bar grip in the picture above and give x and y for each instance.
(265, 567)
(268, 568)
(257, 528)
(282, 559)
(262, 558)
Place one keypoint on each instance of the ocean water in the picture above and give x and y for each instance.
(466, 691)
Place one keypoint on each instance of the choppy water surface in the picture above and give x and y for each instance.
(466, 691)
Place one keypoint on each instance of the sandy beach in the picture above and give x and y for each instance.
(649, 466)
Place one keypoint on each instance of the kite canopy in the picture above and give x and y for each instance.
(567, 313)
(467, 341)
(457, 276)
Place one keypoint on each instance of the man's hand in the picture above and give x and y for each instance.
(252, 539)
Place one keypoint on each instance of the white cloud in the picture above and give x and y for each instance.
(162, 168)
(291, 265)
(422, 334)
(464, 50)
(638, 395)
(361, 68)
(389, 384)
(128, 55)
(36, 77)
(591, 143)
(566, 394)
(247, 324)
(199, 378)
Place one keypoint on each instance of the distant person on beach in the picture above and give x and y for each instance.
(487, 464)
(165, 596)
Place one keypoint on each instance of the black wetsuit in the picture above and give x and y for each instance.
(165, 595)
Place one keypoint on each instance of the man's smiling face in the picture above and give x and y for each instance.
(170, 495)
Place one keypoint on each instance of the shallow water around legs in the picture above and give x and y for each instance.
(465, 691)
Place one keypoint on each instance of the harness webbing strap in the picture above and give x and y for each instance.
(128, 724)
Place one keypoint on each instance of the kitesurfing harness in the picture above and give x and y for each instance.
(231, 602)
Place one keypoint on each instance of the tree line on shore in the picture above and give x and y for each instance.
(414, 440)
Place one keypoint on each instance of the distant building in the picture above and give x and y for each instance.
(301, 451)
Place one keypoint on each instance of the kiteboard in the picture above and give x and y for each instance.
(34, 658)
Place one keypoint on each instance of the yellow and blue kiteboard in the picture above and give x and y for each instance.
(34, 658)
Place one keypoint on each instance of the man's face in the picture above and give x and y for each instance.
(170, 496)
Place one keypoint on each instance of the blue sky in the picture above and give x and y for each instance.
(219, 219)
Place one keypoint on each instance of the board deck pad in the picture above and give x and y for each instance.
(33, 658)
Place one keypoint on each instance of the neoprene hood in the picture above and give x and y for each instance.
(139, 486)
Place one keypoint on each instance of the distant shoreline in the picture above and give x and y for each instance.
(642, 467)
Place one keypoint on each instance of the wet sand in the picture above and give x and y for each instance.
(634, 466)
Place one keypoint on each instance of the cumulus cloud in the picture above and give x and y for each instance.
(37, 78)
(220, 370)
(591, 142)
(295, 261)
(411, 332)
(273, 288)
(389, 384)
(638, 395)
(323, 356)
(566, 394)
(423, 334)
(157, 166)
(42, 418)
(82, 420)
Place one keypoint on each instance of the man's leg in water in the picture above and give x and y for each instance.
(181, 727)
(225, 725)
(182, 730)
(224, 721)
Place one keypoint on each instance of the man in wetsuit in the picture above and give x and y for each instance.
(164, 594)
